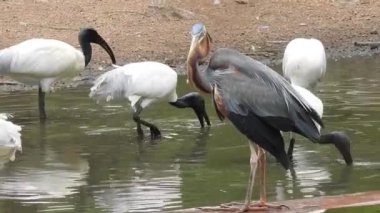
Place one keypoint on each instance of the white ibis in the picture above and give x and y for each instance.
(10, 136)
(304, 65)
(258, 101)
(304, 62)
(43, 61)
(144, 83)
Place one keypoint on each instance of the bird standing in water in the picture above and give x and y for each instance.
(258, 101)
(43, 61)
(144, 83)
(304, 65)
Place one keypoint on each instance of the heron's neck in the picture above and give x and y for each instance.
(86, 50)
(195, 76)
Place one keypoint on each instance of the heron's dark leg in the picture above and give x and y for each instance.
(291, 146)
(154, 131)
(41, 104)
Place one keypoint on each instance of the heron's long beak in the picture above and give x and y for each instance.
(199, 50)
(193, 46)
(191, 59)
(200, 46)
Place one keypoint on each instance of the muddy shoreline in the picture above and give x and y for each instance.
(158, 30)
(95, 69)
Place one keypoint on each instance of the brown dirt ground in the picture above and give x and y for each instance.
(159, 29)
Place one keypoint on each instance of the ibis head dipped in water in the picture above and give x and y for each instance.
(43, 61)
(258, 101)
(304, 65)
(142, 84)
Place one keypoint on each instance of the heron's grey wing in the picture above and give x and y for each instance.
(228, 60)
(272, 104)
(254, 123)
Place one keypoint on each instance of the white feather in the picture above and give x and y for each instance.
(34, 60)
(143, 81)
(110, 85)
(311, 100)
(304, 62)
(10, 136)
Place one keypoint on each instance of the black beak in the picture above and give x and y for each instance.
(106, 47)
(90, 35)
(342, 143)
(197, 103)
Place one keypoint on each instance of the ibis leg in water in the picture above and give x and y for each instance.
(41, 103)
(154, 131)
(191, 100)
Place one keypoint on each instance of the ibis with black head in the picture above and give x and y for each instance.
(142, 84)
(43, 61)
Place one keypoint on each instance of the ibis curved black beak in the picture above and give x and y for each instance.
(197, 103)
(342, 143)
(90, 35)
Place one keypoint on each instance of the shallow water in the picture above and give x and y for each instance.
(88, 158)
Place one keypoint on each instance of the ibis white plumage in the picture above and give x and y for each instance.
(304, 62)
(304, 65)
(43, 61)
(144, 83)
(10, 137)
